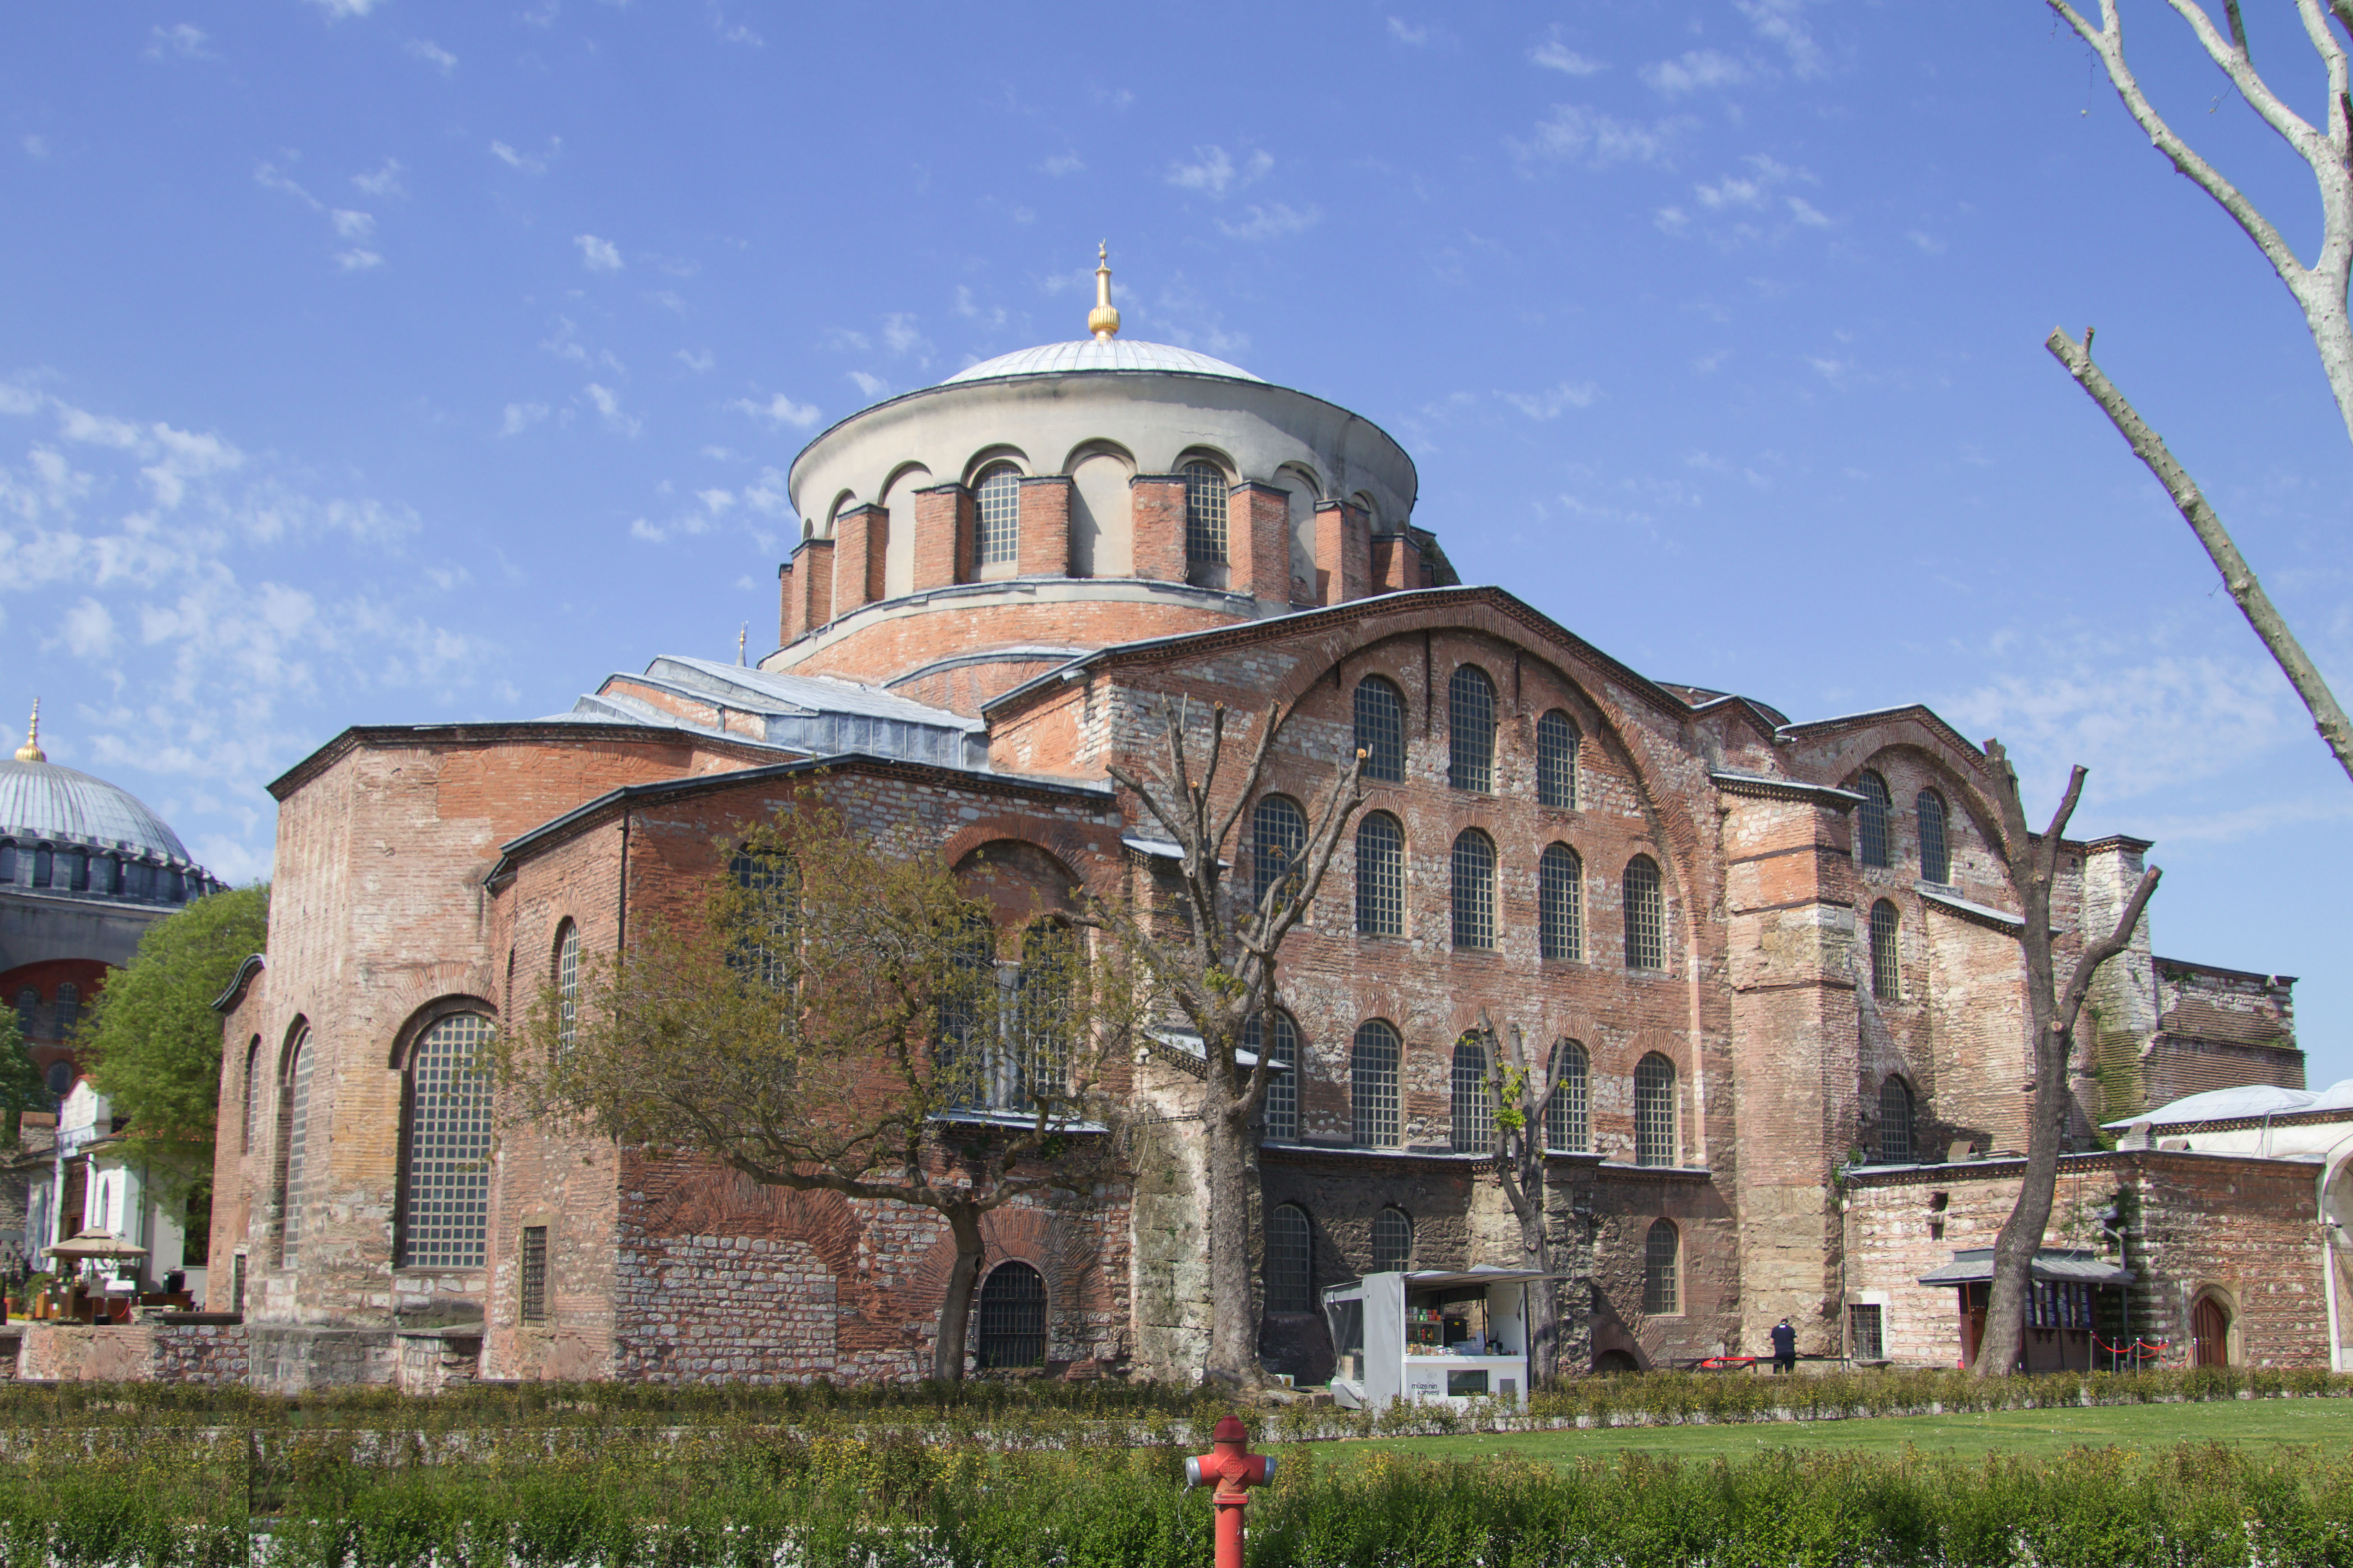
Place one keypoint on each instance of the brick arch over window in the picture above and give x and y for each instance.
(1014, 879)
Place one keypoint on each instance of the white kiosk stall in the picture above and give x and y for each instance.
(1431, 1336)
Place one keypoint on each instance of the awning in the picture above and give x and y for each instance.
(97, 1244)
(2058, 1265)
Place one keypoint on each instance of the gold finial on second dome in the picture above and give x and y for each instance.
(1104, 319)
(30, 752)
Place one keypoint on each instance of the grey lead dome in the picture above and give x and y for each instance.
(1100, 354)
(44, 801)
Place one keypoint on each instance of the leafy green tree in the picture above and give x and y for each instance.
(155, 1039)
(21, 1085)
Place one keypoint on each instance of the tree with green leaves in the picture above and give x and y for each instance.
(155, 1041)
(840, 1017)
(22, 1087)
(1523, 1093)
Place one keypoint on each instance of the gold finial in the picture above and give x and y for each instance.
(30, 752)
(741, 633)
(1102, 320)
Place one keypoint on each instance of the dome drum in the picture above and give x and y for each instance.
(65, 833)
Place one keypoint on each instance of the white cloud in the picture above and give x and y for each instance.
(1274, 219)
(433, 54)
(385, 182)
(36, 146)
(1553, 54)
(778, 411)
(901, 336)
(184, 41)
(870, 386)
(514, 160)
(1696, 72)
(1925, 241)
(608, 404)
(697, 360)
(990, 318)
(1806, 212)
(1550, 404)
(521, 416)
(717, 502)
(1405, 32)
(87, 630)
(1732, 191)
(768, 497)
(597, 255)
(1213, 169)
(1063, 164)
(734, 32)
(339, 9)
(1783, 22)
(1573, 134)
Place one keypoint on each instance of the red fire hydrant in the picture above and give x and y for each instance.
(1234, 1469)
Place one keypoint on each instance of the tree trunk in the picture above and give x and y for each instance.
(1233, 1322)
(2029, 1217)
(1544, 1298)
(955, 1310)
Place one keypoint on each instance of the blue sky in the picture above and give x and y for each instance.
(370, 361)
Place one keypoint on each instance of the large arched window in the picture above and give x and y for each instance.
(1373, 1085)
(1560, 903)
(997, 516)
(1380, 876)
(966, 1061)
(1204, 514)
(253, 1101)
(1474, 889)
(567, 987)
(1654, 1110)
(1471, 1129)
(1392, 1241)
(1661, 1270)
(1895, 1122)
(1470, 730)
(1870, 819)
(1012, 1326)
(1936, 854)
(1290, 1260)
(1278, 839)
(1646, 915)
(1886, 971)
(445, 1195)
(1380, 730)
(293, 1135)
(1556, 740)
(1279, 1111)
(68, 1008)
(1568, 1115)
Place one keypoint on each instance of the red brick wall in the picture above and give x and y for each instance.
(1257, 531)
(861, 545)
(1045, 546)
(943, 531)
(1156, 501)
(1344, 552)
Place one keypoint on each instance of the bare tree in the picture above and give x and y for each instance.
(2319, 290)
(837, 1019)
(2033, 863)
(1523, 1093)
(1213, 961)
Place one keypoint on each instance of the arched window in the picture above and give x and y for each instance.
(1012, 1326)
(567, 987)
(1279, 1111)
(1895, 1122)
(1472, 1127)
(61, 1077)
(1204, 514)
(773, 883)
(1290, 1260)
(1470, 730)
(293, 1135)
(28, 1004)
(68, 1009)
(965, 1063)
(252, 1094)
(1654, 1110)
(1278, 839)
(73, 870)
(1380, 730)
(1870, 819)
(1392, 1241)
(446, 1187)
(1041, 1068)
(44, 861)
(1568, 1114)
(1474, 889)
(1935, 857)
(996, 518)
(1373, 1085)
(1662, 1261)
(1886, 972)
(1556, 740)
(1646, 915)
(1380, 876)
(1560, 902)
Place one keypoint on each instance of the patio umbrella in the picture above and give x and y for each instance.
(97, 1244)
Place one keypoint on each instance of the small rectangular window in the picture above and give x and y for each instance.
(532, 1275)
(1865, 1336)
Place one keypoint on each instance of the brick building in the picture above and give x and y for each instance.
(1760, 946)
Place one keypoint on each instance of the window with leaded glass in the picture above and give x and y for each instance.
(1380, 730)
(1290, 1260)
(293, 1130)
(1039, 1064)
(1204, 514)
(764, 941)
(1895, 1122)
(1392, 1242)
(1935, 857)
(444, 1200)
(1568, 1115)
(1870, 819)
(1886, 970)
(1472, 1127)
(68, 1009)
(1556, 742)
(1278, 839)
(1645, 908)
(1372, 1064)
(1661, 1268)
(1654, 1110)
(1560, 903)
(1474, 889)
(567, 987)
(997, 516)
(1470, 730)
(530, 1272)
(1380, 876)
(1279, 1111)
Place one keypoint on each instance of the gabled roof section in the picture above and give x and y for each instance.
(574, 726)
(1823, 728)
(811, 715)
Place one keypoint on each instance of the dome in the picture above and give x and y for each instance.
(43, 801)
(1100, 354)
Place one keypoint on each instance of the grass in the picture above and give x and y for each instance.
(2326, 1424)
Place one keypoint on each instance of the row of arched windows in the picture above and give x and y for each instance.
(997, 515)
(1874, 839)
(74, 870)
(1470, 738)
(1290, 1273)
(1374, 1103)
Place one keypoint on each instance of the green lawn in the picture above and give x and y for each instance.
(2323, 1422)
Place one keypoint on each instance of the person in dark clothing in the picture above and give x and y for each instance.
(1784, 1348)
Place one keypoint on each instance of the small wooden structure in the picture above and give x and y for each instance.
(2075, 1308)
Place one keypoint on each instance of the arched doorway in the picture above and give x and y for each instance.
(2210, 1333)
(1012, 1317)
